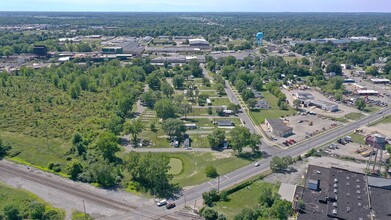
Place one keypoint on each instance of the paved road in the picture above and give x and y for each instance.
(191, 195)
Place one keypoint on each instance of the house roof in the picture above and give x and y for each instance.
(225, 123)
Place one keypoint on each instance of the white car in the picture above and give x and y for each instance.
(161, 202)
(257, 164)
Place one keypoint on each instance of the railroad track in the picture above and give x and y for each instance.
(100, 200)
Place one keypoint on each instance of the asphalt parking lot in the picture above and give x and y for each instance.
(302, 128)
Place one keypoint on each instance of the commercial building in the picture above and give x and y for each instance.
(367, 92)
(181, 50)
(380, 81)
(198, 42)
(178, 59)
(326, 106)
(112, 50)
(259, 38)
(40, 50)
(309, 100)
(335, 193)
(278, 127)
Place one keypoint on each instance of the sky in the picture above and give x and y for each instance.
(199, 5)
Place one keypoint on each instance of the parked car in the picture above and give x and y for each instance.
(257, 164)
(161, 202)
(170, 205)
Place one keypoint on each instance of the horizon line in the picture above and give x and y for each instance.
(351, 12)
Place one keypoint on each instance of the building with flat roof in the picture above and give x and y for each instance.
(335, 193)
(367, 92)
(380, 81)
(278, 127)
(199, 42)
(303, 96)
(112, 50)
(225, 123)
(326, 106)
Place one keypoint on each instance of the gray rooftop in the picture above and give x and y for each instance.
(278, 125)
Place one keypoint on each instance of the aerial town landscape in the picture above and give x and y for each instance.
(195, 115)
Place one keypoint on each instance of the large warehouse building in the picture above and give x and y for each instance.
(199, 42)
(309, 100)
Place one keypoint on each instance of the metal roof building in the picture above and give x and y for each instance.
(278, 127)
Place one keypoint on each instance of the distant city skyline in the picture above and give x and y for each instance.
(199, 5)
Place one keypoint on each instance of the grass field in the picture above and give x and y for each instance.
(33, 149)
(158, 139)
(244, 198)
(274, 112)
(22, 200)
(358, 138)
(176, 166)
(220, 101)
(194, 165)
(354, 115)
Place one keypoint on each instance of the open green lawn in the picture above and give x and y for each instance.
(358, 138)
(22, 200)
(274, 112)
(194, 165)
(208, 122)
(176, 166)
(244, 198)
(159, 138)
(354, 115)
(201, 112)
(220, 101)
(209, 92)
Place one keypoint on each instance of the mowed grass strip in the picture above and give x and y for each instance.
(176, 166)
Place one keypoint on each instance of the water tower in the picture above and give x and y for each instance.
(259, 37)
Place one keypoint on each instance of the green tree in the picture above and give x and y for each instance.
(267, 197)
(149, 98)
(153, 81)
(281, 209)
(105, 174)
(216, 138)
(108, 144)
(257, 84)
(151, 171)
(251, 102)
(186, 108)
(360, 104)
(240, 85)
(74, 168)
(165, 109)
(247, 214)
(210, 197)
(255, 142)
(209, 214)
(135, 127)
(3, 149)
(75, 91)
(167, 89)
(335, 68)
(37, 210)
(220, 88)
(178, 81)
(11, 212)
(174, 127)
(211, 172)
(240, 137)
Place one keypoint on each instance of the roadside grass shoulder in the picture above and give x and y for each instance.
(354, 115)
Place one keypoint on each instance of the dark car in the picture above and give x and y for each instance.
(170, 205)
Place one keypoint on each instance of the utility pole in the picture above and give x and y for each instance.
(84, 207)
(218, 184)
